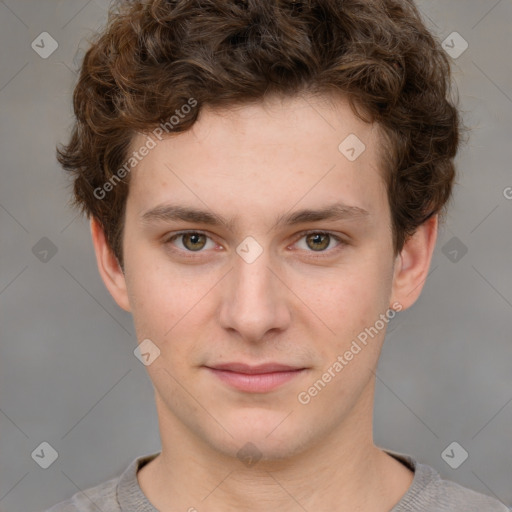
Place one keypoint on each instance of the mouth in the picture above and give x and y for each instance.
(255, 379)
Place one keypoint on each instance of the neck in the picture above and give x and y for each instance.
(343, 471)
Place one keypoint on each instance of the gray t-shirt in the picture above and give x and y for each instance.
(427, 493)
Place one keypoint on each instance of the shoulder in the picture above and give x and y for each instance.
(100, 497)
(431, 493)
(450, 496)
(119, 494)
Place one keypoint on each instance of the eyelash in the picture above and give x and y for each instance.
(302, 234)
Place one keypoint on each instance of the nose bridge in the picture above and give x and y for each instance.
(254, 302)
(253, 286)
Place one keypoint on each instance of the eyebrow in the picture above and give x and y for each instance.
(172, 212)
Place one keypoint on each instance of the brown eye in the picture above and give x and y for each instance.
(190, 241)
(318, 241)
(321, 242)
(193, 241)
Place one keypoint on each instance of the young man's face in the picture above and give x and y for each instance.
(260, 291)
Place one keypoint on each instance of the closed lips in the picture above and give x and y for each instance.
(258, 369)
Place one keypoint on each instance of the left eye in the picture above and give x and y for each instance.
(319, 241)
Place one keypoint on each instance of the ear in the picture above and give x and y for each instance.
(108, 266)
(413, 262)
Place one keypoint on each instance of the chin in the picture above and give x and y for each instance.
(264, 435)
(253, 450)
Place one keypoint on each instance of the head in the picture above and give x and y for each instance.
(254, 112)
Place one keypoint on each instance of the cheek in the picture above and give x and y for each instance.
(167, 300)
(154, 298)
(352, 299)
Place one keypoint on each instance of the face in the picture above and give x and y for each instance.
(290, 263)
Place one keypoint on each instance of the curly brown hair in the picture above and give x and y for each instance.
(154, 56)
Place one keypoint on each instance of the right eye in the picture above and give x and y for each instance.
(191, 241)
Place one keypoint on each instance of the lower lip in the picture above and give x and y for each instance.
(256, 383)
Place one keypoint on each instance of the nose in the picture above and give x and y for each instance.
(254, 300)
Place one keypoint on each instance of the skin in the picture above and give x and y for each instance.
(253, 163)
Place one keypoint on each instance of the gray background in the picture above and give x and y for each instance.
(68, 375)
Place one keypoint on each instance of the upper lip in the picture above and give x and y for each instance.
(255, 369)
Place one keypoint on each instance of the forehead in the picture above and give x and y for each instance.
(264, 157)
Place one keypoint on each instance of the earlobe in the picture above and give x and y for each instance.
(108, 266)
(413, 263)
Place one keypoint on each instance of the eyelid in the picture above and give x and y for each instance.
(315, 254)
